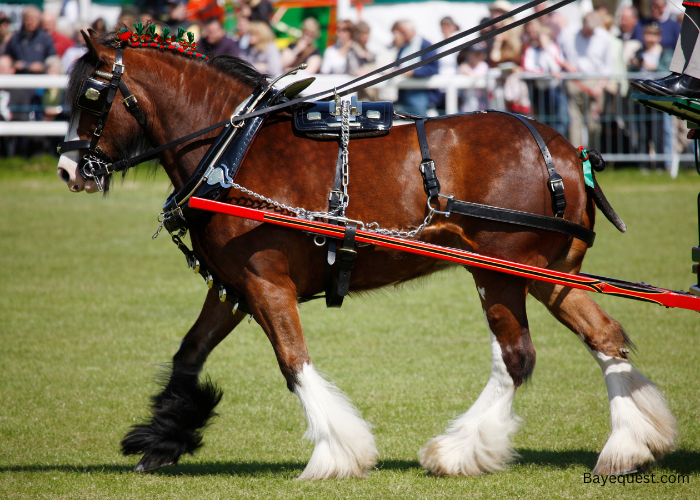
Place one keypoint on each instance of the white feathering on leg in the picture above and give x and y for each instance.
(643, 428)
(478, 441)
(344, 445)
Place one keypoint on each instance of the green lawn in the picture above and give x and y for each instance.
(90, 305)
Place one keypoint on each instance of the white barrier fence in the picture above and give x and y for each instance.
(622, 130)
(452, 85)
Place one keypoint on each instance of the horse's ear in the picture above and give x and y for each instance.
(88, 41)
(95, 49)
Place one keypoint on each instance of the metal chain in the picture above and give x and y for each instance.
(345, 140)
(305, 214)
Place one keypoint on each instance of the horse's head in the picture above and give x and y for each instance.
(99, 132)
(175, 92)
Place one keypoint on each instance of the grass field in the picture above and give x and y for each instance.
(90, 305)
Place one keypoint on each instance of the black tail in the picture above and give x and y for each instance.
(598, 164)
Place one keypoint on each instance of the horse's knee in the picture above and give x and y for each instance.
(517, 349)
(580, 313)
(215, 322)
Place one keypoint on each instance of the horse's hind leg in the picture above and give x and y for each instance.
(344, 445)
(643, 428)
(479, 440)
(181, 410)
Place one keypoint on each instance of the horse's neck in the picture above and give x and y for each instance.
(197, 97)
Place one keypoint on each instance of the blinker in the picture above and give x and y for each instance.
(93, 97)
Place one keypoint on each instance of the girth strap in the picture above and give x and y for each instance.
(431, 185)
(336, 289)
(555, 182)
(521, 218)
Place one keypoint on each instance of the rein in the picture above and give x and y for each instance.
(99, 164)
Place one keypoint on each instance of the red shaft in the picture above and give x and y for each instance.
(637, 291)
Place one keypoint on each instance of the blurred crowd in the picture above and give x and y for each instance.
(602, 44)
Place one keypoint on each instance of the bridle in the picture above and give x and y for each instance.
(96, 97)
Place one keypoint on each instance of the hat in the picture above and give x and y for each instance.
(478, 47)
(503, 5)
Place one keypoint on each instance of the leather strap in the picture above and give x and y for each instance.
(522, 219)
(422, 139)
(431, 184)
(345, 261)
(555, 183)
(333, 296)
(131, 103)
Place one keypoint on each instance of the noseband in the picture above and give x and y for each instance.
(96, 98)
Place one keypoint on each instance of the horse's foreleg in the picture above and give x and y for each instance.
(643, 428)
(344, 445)
(181, 410)
(479, 440)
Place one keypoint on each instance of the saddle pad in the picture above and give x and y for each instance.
(319, 117)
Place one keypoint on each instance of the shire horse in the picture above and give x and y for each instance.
(487, 158)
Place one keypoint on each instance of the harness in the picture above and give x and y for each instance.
(96, 97)
(217, 170)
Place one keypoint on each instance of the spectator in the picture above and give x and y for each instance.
(260, 10)
(177, 16)
(5, 33)
(52, 99)
(650, 58)
(587, 52)
(670, 29)
(31, 46)
(506, 46)
(361, 61)
(60, 42)
(215, 42)
(448, 64)
(14, 105)
(76, 51)
(629, 19)
(263, 52)
(305, 49)
(472, 62)
(242, 32)
(543, 56)
(414, 101)
(335, 58)
(99, 26)
(555, 21)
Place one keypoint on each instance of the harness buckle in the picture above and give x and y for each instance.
(121, 68)
(334, 192)
(553, 184)
(130, 101)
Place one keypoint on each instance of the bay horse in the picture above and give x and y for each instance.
(487, 158)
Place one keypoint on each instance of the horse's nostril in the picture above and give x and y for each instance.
(63, 175)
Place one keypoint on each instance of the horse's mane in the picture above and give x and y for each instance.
(232, 66)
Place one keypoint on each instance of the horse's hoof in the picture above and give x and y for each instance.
(147, 464)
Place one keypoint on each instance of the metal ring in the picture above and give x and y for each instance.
(319, 241)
